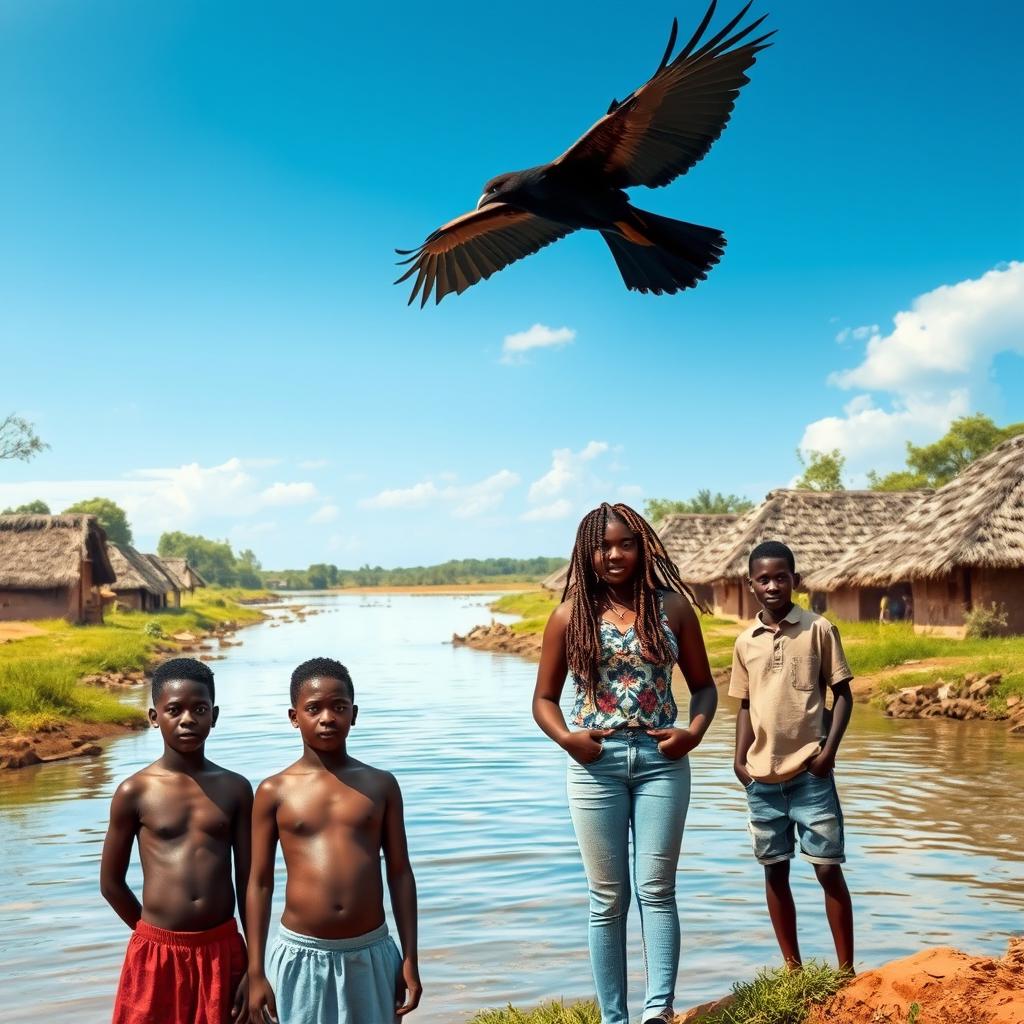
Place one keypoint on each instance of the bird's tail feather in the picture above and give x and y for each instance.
(661, 255)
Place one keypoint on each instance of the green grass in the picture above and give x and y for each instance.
(549, 1013)
(780, 996)
(39, 674)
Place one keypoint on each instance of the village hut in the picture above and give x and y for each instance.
(172, 590)
(138, 585)
(184, 573)
(821, 527)
(687, 536)
(962, 547)
(51, 566)
(556, 581)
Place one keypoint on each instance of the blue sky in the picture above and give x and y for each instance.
(200, 201)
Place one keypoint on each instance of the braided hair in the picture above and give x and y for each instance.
(654, 570)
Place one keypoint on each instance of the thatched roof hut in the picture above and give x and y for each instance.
(171, 586)
(50, 567)
(962, 546)
(138, 584)
(556, 581)
(187, 576)
(821, 527)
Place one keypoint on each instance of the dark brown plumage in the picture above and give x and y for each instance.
(650, 138)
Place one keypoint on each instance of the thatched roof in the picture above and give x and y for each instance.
(43, 552)
(170, 581)
(687, 536)
(976, 520)
(187, 576)
(134, 571)
(820, 526)
(556, 581)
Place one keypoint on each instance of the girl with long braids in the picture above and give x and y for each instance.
(625, 619)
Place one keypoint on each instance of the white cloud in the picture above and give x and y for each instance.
(324, 514)
(931, 368)
(856, 333)
(174, 498)
(559, 509)
(567, 468)
(950, 332)
(403, 497)
(288, 494)
(538, 336)
(464, 500)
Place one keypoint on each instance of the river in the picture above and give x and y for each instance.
(934, 826)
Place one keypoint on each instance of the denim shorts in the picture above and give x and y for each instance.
(804, 806)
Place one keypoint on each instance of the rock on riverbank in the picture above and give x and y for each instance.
(964, 699)
(502, 639)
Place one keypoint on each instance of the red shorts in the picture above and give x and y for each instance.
(180, 977)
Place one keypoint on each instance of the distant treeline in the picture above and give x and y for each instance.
(462, 570)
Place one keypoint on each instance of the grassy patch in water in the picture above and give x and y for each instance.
(780, 996)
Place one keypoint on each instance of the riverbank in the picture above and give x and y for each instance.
(939, 985)
(908, 675)
(59, 683)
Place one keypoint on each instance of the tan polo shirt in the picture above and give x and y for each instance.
(783, 672)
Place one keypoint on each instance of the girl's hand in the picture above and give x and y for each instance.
(585, 746)
(674, 743)
(407, 998)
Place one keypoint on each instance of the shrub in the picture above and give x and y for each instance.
(153, 628)
(986, 620)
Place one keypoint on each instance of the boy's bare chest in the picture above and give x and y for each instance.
(174, 811)
(311, 810)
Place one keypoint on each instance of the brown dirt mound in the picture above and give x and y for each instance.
(949, 986)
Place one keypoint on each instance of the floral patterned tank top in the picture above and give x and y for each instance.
(630, 690)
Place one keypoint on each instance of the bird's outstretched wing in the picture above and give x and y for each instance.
(474, 246)
(669, 123)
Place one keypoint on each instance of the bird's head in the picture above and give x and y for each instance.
(498, 190)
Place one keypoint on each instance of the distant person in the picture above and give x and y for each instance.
(185, 962)
(333, 961)
(627, 618)
(786, 745)
(884, 609)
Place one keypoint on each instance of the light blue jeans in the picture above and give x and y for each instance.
(631, 787)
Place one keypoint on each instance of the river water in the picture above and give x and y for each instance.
(934, 826)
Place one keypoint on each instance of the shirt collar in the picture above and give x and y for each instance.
(792, 617)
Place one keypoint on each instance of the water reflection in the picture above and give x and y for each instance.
(936, 838)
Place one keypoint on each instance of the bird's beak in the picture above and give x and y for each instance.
(486, 199)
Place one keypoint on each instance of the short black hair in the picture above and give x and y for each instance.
(320, 668)
(772, 549)
(182, 668)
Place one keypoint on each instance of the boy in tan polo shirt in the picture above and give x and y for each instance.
(786, 743)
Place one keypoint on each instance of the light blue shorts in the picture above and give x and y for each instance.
(806, 805)
(335, 981)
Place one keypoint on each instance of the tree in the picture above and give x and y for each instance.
(30, 508)
(247, 569)
(213, 558)
(823, 471)
(110, 515)
(703, 502)
(933, 465)
(18, 439)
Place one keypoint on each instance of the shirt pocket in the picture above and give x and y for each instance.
(803, 671)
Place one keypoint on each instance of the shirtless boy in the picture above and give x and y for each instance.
(333, 961)
(186, 960)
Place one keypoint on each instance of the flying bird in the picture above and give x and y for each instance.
(650, 138)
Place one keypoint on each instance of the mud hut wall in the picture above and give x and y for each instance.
(939, 602)
(1001, 587)
(134, 600)
(855, 604)
(732, 599)
(704, 593)
(53, 603)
